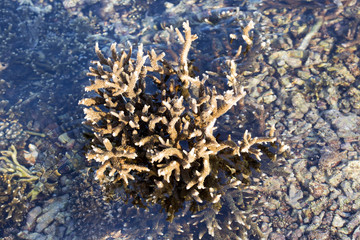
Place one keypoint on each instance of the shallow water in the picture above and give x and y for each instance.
(301, 74)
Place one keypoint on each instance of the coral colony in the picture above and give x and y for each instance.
(160, 147)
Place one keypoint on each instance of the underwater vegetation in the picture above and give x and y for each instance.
(154, 123)
(19, 186)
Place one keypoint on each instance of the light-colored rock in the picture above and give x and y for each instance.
(49, 212)
(299, 103)
(338, 221)
(31, 217)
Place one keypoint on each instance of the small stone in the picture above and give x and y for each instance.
(264, 227)
(296, 115)
(299, 102)
(338, 221)
(335, 193)
(352, 155)
(49, 212)
(50, 229)
(327, 134)
(276, 236)
(302, 127)
(332, 97)
(31, 217)
(45, 219)
(355, 97)
(298, 233)
(319, 234)
(350, 226)
(316, 222)
(356, 233)
(347, 146)
(281, 71)
(320, 123)
(294, 62)
(295, 194)
(346, 125)
(312, 116)
(280, 62)
(356, 205)
(319, 189)
(319, 176)
(344, 106)
(330, 158)
(269, 97)
(352, 170)
(343, 202)
(319, 206)
(286, 81)
(273, 204)
(300, 170)
(342, 75)
(31, 236)
(304, 75)
(336, 179)
(334, 206)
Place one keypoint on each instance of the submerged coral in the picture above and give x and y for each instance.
(18, 186)
(155, 139)
(12, 167)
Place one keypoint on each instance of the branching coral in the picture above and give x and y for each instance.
(160, 143)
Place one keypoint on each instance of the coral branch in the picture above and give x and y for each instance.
(165, 139)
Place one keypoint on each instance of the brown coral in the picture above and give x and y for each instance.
(161, 142)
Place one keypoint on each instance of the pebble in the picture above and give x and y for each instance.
(352, 170)
(354, 222)
(44, 220)
(49, 213)
(269, 97)
(292, 58)
(346, 125)
(346, 187)
(330, 157)
(336, 179)
(353, 155)
(343, 202)
(320, 176)
(315, 224)
(319, 189)
(319, 205)
(327, 134)
(304, 75)
(356, 205)
(300, 170)
(298, 233)
(347, 128)
(299, 102)
(286, 81)
(31, 217)
(276, 236)
(319, 234)
(356, 234)
(31, 236)
(295, 194)
(338, 221)
(355, 100)
(312, 116)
